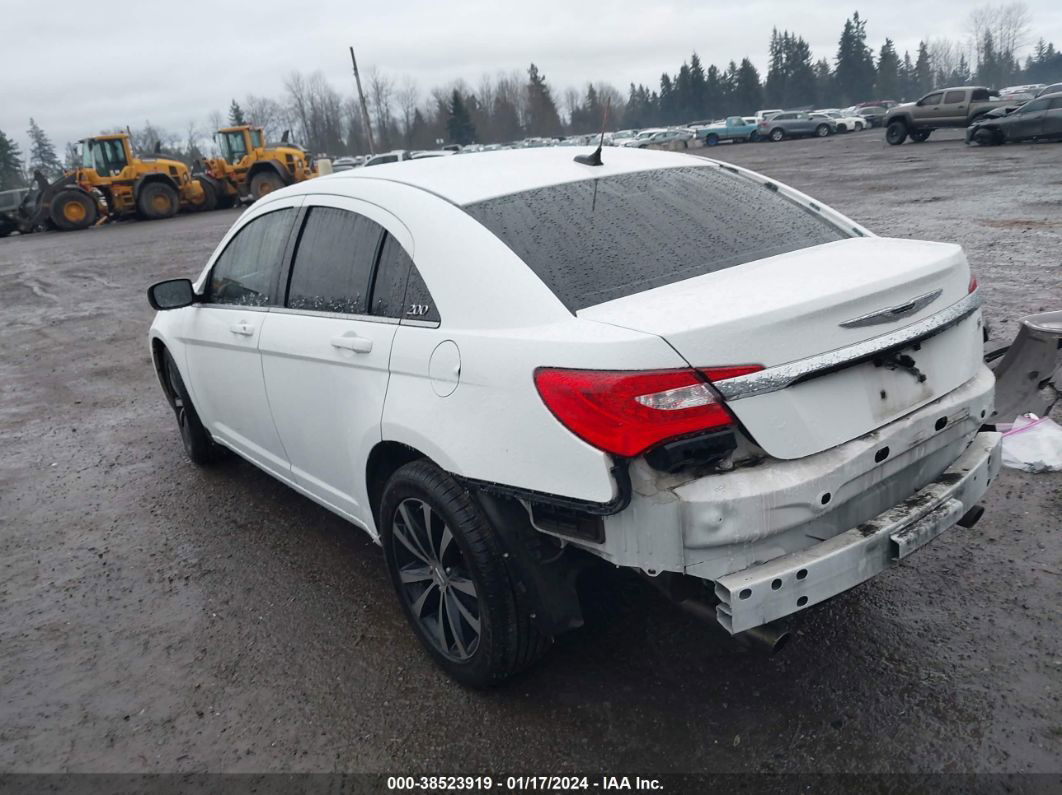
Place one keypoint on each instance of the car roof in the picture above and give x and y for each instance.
(478, 176)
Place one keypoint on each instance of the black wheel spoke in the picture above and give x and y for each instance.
(441, 596)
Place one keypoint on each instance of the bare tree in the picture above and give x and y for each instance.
(408, 96)
(1008, 23)
(381, 91)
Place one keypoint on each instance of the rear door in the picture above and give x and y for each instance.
(954, 108)
(223, 330)
(325, 352)
(1053, 119)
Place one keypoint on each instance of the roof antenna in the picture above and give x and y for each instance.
(594, 158)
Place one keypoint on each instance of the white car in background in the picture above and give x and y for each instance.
(846, 122)
(394, 156)
(503, 366)
(649, 138)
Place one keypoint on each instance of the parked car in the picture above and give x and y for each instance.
(845, 122)
(537, 386)
(942, 108)
(622, 136)
(794, 124)
(873, 115)
(394, 156)
(766, 114)
(344, 163)
(732, 128)
(1054, 88)
(1039, 119)
(659, 137)
(420, 155)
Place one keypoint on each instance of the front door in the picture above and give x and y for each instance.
(325, 354)
(1028, 120)
(223, 332)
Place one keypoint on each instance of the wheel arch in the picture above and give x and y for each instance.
(152, 178)
(386, 458)
(269, 166)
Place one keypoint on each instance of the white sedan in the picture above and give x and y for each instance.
(503, 366)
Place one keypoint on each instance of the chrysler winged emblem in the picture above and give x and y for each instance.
(889, 314)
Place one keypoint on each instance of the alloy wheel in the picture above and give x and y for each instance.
(435, 581)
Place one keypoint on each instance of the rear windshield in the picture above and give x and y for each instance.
(596, 240)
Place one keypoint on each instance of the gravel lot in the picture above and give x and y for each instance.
(155, 617)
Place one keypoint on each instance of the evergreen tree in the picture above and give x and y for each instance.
(923, 72)
(775, 86)
(907, 78)
(823, 81)
(801, 82)
(505, 119)
(697, 105)
(668, 104)
(714, 92)
(42, 155)
(748, 93)
(887, 84)
(459, 121)
(236, 117)
(11, 175)
(855, 72)
(542, 116)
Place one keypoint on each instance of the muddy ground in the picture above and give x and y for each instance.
(159, 617)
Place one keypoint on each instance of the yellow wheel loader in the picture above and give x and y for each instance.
(110, 183)
(248, 168)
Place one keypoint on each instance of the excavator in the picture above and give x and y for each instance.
(109, 183)
(249, 168)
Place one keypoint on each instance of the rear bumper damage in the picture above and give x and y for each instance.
(765, 593)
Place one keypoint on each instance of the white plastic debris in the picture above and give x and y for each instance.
(1032, 444)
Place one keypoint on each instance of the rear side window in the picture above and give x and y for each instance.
(399, 290)
(333, 262)
(979, 95)
(1035, 107)
(1056, 103)
(247, 271)
(954, 97)
(596, 240)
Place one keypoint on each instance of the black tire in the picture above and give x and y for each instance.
(210, 197)
(198, 444)
(896, 133)
(156, 201)
(711, 140)
(986, 138)
(822, 130)
(919, 136)
(225, 201)
(7, 227)
(265, 182)
(777, 134)
(858, 126)
(445, 582)
(754, 137)
(842, 127)
(73, 209)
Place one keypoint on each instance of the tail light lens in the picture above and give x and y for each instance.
(626, 412)
(973, 284)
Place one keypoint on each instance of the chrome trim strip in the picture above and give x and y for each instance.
(782, 375)
(290, 310)
(892, 313)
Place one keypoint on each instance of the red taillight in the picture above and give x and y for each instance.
(625, 412)
(973, 284)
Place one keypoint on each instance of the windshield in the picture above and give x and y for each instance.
(106, 156)
(232, 145)
(596, 240)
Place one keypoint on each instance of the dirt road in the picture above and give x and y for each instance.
(158, 617)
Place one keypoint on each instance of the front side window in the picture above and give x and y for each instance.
(106, 156)
(932, 99)
(256, 138)
(333, 262)
(233, 147)
(597, 240)
(954, 97)
(246, 272)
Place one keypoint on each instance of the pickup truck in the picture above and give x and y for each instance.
(946, 107)
(734, 128)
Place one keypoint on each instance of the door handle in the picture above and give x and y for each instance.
(243, 328)
(352, 342)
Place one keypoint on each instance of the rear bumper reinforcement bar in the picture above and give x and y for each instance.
(780, 587)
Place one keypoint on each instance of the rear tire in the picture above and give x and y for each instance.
(198, 444)
(265, 182)
(777, 134)
(919, 136)
(156, 201)
(822, 130)
(73, 209)
(447, 567)
(896, 133)
(711, 140)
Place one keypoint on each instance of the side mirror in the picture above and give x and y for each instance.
(171, 294)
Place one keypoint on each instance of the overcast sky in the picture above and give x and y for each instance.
(80, 67)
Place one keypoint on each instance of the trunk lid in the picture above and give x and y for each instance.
(787, 308)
